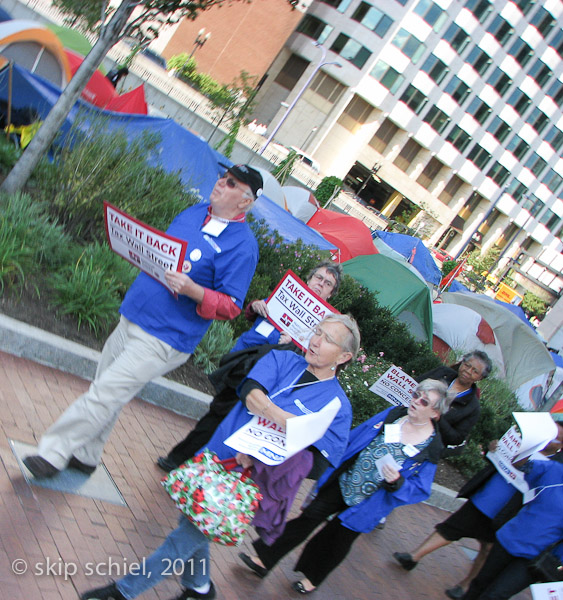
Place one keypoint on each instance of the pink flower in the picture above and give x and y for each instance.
(365, 368)
(382, 354)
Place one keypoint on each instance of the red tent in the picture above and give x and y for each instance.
(349, 234)
(132, 102)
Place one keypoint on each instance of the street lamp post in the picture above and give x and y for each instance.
(200, 40)
(309, 137)
(320, 64)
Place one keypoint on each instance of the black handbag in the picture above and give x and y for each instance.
(546, 566)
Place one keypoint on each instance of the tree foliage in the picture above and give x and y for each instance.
(327, 189)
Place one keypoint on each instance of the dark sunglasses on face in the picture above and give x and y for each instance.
(421, 398)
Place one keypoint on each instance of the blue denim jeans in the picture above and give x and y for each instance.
(185, 552)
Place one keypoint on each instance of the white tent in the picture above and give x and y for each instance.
(300, 202)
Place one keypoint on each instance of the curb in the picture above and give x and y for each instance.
(26, 341)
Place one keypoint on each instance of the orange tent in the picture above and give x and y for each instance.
(349, 234)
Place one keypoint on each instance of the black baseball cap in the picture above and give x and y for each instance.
(248, 175)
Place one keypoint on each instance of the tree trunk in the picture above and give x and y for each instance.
(39, 145)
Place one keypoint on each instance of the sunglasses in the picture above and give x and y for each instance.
(421, 398)
(232, 184)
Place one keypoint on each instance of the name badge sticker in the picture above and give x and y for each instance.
(214, 227)
(392, 433)
(410, 450)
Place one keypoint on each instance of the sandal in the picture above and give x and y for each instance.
(300, 588)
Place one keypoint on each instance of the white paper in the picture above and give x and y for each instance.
(392, 433)
(547, 591)
(386, 460)
(266, 441)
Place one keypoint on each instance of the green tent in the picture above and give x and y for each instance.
(402, 292)
(73, 40)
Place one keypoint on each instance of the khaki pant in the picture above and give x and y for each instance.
(130, 359)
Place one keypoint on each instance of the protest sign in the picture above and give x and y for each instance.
(149, 249)
(295, 309)
(271, 444)
(547, 591)
(395, 386)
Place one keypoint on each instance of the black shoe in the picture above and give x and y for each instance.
(300, 588)
(455, 592)
(405, 560)
(166, 464)
(189, 594)
(39, 467)
(74, 463)
(109, 592)
(260, 571)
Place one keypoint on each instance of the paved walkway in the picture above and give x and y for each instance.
(45, 529)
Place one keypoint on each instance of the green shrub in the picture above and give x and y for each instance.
(106, 166)
(9, 154)
(326, 189)
(215, 343)
(91, 288)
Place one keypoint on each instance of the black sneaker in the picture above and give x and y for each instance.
(189, 594)
(39, 467)
(74, 463)
(455, 592)
(405, 560)
(109, 592)
(166, 464)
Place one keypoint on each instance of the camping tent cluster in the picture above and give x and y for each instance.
(398, 267)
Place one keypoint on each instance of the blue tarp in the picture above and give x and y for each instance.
(179, 151)
(516, 310)
(5, 15)
(422, 261)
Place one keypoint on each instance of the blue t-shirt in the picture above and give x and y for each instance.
(225, 263)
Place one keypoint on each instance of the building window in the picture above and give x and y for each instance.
(538, 120)
(519, 100)
(479, 156)
(554, 137)
(436, 118)
(457, 89)
(489, 222)
(499, 81)
(556, 92)
(435, 68)
(500, 29)
(407, 155)
(479, 109)
(409, 45)
(383, 136)
(521, 52)
(518, 147)
(499, 129)
(557, 42)
(431, 13)
(457, 38)
(479, 60)
(291, 72)
(543, 21)
(414, 99)
(314, 28)
(550, 220)
(481, 9)
(532, 204)
(327, 87)
(552, 181)
(498, 173)
(453, 186)
(540, 72)
(351, 50)
(356, 114)
(429, 173)
(536, 164)
(524, 5)
(340, 5)
(471, 205)
(458, 138)
(516, 189)
(387, 76)
(372, 18)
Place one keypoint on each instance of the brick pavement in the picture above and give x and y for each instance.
(37, 524)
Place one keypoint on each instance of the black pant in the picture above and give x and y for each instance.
(325, 550)
(502, 576)
(219, 408)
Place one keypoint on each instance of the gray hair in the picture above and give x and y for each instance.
(483, 357)
(352, 341)
(333, 269)
(441, 388)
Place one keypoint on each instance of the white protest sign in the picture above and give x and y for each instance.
(268, 442)
(395, 386)
(149, 249)
(547, 591)
(507, 448)
(296, 309)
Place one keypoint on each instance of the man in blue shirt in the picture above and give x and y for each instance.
(158, 331)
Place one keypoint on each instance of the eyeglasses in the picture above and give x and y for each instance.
(325, 281)
(422, 398)
(471, 368)
(232, 184)
(319, 332)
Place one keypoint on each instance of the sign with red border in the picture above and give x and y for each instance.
(147, 248)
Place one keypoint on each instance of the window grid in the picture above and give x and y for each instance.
(498, 173)
(459, 138)
(414, 99)
(372, 18)
(479, 60)
(435, 68)
(499, 81)
(457, 89)
(499, 129)
(481, 9)
(431, 13)
(436, 118)
(409, 45)
(387, 76)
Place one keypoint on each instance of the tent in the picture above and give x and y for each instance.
(272, 188)
(72, 39)
(525, 356)
(5, 15)
(461, 329)
(402, 292)
(416, 253)
(349, 234)
(300, 202)
(36, 48)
